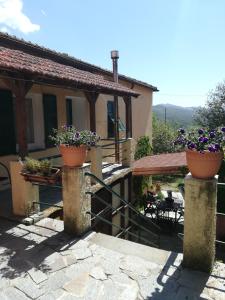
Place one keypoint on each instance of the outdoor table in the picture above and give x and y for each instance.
(163, 210)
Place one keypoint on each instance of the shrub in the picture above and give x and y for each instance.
(143, 148)
(31, 165)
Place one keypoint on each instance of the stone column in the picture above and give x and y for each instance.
(128, 152)
(24, 193)
(96, 162)
(200, 223)
(75, 201)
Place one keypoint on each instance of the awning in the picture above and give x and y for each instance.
(170, 163)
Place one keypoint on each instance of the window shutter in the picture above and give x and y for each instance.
(69, 112)
(50, 117)
(7, 124)
(111, 121)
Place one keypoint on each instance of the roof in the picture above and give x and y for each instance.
(42, 68)
(169, 163)
(66, 59)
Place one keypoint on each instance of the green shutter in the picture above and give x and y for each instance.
(69, 112)
(111, 121)
(7, 124)
(50, 117)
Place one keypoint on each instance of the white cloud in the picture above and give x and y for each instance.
(11, 15)
(5, 29)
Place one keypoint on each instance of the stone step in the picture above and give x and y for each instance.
(126, 247)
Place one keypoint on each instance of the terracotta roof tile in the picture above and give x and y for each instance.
(80, 64)
(160, 164)
(16, 60)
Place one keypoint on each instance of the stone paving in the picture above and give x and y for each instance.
(42, 262)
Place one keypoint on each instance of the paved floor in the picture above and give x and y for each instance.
(42, 262)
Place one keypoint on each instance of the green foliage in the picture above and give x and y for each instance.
(34, 166)
(31, 165)
(160, 196)
(68, 135)
(45, 167)
(213, 114)
(143, 147)
(163, 136)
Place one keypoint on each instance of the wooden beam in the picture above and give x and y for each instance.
(128, 108)
(20, 88)
(92, 98)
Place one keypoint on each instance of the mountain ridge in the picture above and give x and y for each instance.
(174, 114)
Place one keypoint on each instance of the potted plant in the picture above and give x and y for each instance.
(204, 150)
(73, 144)
(40, 171)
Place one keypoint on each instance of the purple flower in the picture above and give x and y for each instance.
(217, 147)
(205, 140)
(200, 131)
(212, 134)
(192, 146)
(223, 129)
(181, 130)
(211, 149)
(201, 139)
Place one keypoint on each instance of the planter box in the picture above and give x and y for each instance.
(48, 180)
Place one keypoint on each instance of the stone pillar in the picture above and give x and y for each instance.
(128, 152)
(24, 193)
(96, 162)
(75, 201)
(200, 223)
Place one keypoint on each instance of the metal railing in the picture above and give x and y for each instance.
(135, 214)
(111, 146)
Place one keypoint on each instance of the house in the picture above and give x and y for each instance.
(41, 89)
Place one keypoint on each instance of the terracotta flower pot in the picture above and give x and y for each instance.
(204, 165)
(73, 156)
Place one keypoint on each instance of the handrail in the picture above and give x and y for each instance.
(121, 228)
(7, 171)
(122, 214)
(122, 200)
(112, 144)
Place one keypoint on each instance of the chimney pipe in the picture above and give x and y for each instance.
(115, 57)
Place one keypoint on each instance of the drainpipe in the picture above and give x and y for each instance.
(115, 57)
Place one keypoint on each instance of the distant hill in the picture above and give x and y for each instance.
(177, 115)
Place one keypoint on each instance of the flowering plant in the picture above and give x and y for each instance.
(69, 136)
(201, 140)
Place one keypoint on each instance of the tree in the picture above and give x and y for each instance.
(163, 136)
(212, 115)
(143, 148)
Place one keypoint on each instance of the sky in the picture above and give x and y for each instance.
(176, 45)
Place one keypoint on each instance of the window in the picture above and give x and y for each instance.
(111, 120)
(69, 112)
(30, 121)
(7, 127)
(50, 117)
(110, 112)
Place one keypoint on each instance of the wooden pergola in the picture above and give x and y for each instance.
(21, 70)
